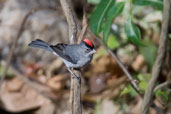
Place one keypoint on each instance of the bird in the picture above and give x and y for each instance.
(73, 55)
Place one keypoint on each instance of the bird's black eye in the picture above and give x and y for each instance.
(87, 50)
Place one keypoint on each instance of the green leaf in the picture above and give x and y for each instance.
(154, 3)
(99, 14)
(100, 53)
(162, 94)
(112, 42)
(133, 33)
(106, 31)
(112, 13)
(2, 70)
(128, 90)
(93, 1)
(143, 85)
(125, 91)
(144, 77)
(115, 10)
(149, 52)
(143, 80)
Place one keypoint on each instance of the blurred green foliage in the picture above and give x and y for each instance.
(101, 21)
(99, 15)
(107, 10)
(93, 1)
(128, 90)
(112, 42)
(114, 11)
(149, 52)
(2, 69)
(163, 95)
(143, 81)
(158, 4)
(133, 32)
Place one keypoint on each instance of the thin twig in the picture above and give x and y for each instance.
(72, 26)
(147, 101)
(162, 85)
(130, 7)
(84, 23)
(75, 95)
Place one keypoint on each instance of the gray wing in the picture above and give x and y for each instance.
(59, 49)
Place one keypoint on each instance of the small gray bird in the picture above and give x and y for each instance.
(73, 55)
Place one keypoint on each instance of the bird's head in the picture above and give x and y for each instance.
(88, 47)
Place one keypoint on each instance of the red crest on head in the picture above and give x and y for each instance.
(88, 42)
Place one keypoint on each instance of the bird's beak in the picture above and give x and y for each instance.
(94, 51)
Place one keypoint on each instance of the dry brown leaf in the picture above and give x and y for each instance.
(108, 107)
(105, 64)
(56, 82)
(138, 63)
(23, 100)
(14, 85)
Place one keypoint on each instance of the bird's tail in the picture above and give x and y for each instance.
(40, 44)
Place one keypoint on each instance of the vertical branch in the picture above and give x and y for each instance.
(130, 7)
(77, 107)
(84, 23)
(70, 19)
(75, 95)
(160, 58)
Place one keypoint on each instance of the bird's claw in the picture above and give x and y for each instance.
(73, 75)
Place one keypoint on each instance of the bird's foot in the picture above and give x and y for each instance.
(73, 75)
